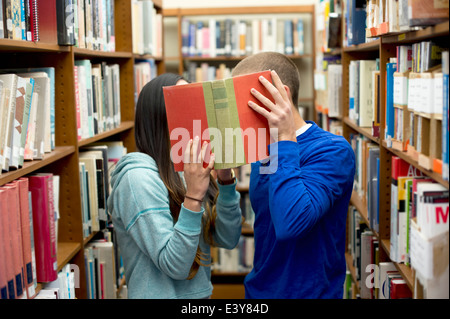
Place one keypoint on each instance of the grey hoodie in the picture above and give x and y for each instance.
(158, 254)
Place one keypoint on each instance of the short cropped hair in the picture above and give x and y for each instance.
(285, 68)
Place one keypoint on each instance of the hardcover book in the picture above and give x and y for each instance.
(218, 112)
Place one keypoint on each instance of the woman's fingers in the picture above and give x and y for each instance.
(187, 152)
(194, 154)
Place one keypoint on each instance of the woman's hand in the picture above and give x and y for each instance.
(196, 176)
(278, 114)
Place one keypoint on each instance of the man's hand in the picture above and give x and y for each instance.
(278, 114)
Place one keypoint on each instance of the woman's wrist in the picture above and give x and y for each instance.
(192, 204)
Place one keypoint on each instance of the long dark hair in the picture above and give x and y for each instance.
(153, 138)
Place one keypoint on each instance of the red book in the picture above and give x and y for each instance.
(214, 110)
(4, 245)
(16, 237)
(47, 25)
(400, 290)
(41, 187)
(29, 265)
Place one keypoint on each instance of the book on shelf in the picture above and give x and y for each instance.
(355, 21)
(400, 289)
(423, 13)
(384, 269)
(334, 77)
(213, 37)
(400, 171)
(41, 187)
(101, 270)
(236, 260)
(147, 28)
(361, 88)
(34, 131)
(97, 97)
(445, 115)
(144, 71)
(213, 111)
(61, 288)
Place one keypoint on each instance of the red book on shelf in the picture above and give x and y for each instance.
(41, 187)
(47, 25)
(400, 289)
(15, 236)
(28, 260)
(6, 272)
(214, 109)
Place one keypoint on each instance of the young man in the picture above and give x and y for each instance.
(301, 207)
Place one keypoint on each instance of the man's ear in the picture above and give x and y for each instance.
(288, 91)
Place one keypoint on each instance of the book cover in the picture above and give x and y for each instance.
(390, 120)
(365, 92)
(384, 268)
(41, 186)
(400, 289)
(10, 84)
(218, 111)
(47, 21)
(432, 209)
(7, 283)
(29, 264)
(15, 233)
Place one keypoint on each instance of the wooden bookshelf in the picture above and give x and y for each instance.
(383, 48)
(64, 159)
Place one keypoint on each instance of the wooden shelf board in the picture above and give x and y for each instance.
(79, 52)
(366, 131)
(438, 30)
(238, 10)
(66, 251)
(369, 46)
(122, 127)
(237, 58)
(406, 271)
(147, 57)
(9, 45)
(30, 166)
(437, 177)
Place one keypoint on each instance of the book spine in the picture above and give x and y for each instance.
(445, 117)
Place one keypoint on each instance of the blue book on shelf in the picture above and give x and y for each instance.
(192, 39)
(445, 126)
(390, 116)
(288, 40)
(356, 22)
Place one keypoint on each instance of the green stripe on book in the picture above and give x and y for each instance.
(223, 123)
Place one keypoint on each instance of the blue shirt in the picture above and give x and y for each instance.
(300, 218)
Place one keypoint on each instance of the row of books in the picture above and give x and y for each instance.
(63, 287)
(238, 259)
(417, 112)
(97, 96)
(329, 25)
(376, 279)
(144, 72)
(27, 109)
(206, 72)
(82, 23)
(147, 28)
(96, 162)
(100, 262)
(239, 37)
(393, 16)
(366, 180)
(366, 21)
(29, 236)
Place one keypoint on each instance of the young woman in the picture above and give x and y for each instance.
(165, 221)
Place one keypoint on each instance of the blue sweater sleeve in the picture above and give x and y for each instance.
(229, 217)
(299, 195)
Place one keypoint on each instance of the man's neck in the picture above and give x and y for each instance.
(298, 120)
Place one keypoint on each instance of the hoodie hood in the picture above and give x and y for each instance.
(131, 161)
